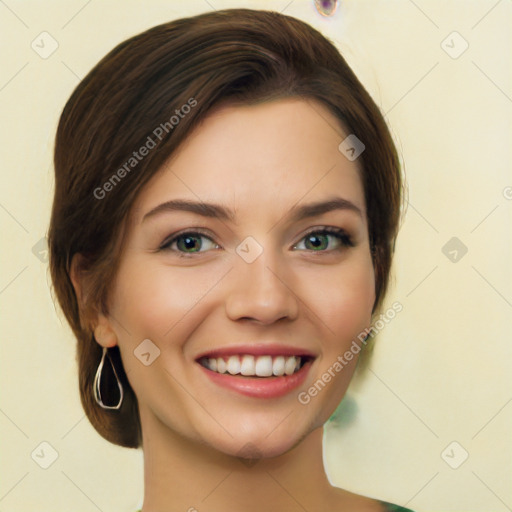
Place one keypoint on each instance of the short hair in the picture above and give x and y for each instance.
(239, 56)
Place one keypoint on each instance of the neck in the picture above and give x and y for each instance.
(180, 474)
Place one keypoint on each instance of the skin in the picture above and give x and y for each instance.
(260, 161)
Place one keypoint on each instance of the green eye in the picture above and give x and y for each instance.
(321, 240)
(318, 241)
(189, 243)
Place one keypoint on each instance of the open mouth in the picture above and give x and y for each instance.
(257, 371)
(262, 366)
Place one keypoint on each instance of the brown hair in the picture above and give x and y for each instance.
(235, 55)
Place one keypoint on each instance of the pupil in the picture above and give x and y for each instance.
(315, 241)
(189, 242)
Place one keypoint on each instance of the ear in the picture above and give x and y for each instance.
(104, 334)
(98, 322)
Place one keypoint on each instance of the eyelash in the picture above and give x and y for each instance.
(340, 234)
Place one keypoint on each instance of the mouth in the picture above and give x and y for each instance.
(261, 366)
(268, 371)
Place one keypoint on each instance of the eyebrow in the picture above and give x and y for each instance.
(220, 212)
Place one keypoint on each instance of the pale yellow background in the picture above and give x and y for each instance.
(441, 368)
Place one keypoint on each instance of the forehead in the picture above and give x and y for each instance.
(263, 158)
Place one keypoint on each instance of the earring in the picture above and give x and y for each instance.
(96, 383)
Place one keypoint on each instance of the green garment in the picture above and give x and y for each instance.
(395, 508)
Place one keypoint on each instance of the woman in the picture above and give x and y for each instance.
(227, 199)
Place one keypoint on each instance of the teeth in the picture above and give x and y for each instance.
(278, 366)
(247, 367)
(260, 366)
(234, 365)
(264, 366)
(289, 366)
(221, 366)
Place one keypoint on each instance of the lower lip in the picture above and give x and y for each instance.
(260, 387)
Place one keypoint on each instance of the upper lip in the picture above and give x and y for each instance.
(258, 349)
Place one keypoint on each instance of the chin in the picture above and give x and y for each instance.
(262, 443)
(251, 450)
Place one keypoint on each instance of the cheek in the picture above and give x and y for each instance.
(156, 301)
(162, 304)
(344, 299)
(152, 301)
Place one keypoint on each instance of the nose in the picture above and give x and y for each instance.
(261, 291)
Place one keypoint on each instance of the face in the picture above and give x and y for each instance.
(257, 280)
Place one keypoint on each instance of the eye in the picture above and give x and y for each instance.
(189, 242)
(318, 240)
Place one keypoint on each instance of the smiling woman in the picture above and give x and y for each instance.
(219, 280)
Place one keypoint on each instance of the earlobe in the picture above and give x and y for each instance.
(103, 332)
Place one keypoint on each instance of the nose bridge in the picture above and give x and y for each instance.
(259, 288)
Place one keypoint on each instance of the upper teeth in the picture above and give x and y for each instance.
(261, 366)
